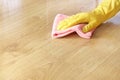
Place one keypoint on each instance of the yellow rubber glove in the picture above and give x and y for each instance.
(104, 11)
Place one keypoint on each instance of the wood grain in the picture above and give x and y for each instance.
(27, 51)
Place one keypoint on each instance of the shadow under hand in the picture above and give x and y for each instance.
(107, 30)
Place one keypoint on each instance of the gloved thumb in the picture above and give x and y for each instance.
(90, 26)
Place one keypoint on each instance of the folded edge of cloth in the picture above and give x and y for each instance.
(61, 33)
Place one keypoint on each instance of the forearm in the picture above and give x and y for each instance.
(107, 8)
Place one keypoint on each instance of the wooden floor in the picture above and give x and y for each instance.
(27, 51)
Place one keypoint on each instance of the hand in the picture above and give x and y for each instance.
(105, 10)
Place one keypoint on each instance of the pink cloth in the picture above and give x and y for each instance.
(62, 33)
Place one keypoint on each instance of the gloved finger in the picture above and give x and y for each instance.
(73, 20)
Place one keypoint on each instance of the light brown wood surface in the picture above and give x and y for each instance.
(27, 51)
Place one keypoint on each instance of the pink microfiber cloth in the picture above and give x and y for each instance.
(61, 33)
